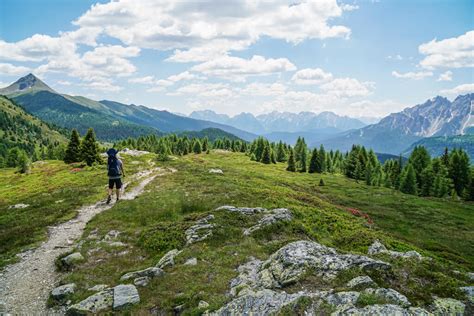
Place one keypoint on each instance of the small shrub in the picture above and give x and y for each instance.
(321, 182)
(370, 299)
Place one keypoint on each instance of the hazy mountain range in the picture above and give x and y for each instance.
(394, 134)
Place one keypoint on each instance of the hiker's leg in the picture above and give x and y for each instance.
(118, 184)
(109, 191)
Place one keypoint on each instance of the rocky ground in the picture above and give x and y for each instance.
(26, 285)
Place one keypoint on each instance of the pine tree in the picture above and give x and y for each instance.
(303, 158)
(419, 159)
(273, 157)
(321, 182)
(408, 180)
(280, 152)
(322, 159)
(23, 162)
(459, 170)
(445, 157)
(313, 161)
(162, 152)
(291, 162)
(90, 149)
(197, 147)
(427, 179)
(266, 155)
(205, 144)
(73, 151)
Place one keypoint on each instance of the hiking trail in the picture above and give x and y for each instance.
(25, 285)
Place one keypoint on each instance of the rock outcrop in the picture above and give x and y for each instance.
(124, 296)
(270, 217)
(377, 247)
(242, 210)
(360, 282)
(72, 259)
(95, 303)
(168, 259)
(151, 272)
(60, 293)
(390, 296)
(200, 231)
(447, 306)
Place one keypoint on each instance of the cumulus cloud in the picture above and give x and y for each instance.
(263, 89)
(348, 87)
(446, 76)
(461, 89)
(207, 27)
(309, 76)
(205, 90)
(237, 69)
(12, 70)
(142, 80)
(457, 52)
(412, 75)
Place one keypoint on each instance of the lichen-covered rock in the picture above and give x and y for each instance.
(72, 259)
(62, 292)
(469, 290)
(247, 278)
(191, 262)
(152, 272)
(216, 171)
(125, 295)
(470, 275)
(270, 217)
(203, 304)
(98, 287)
(342, 298)
(242, 210)
(390, 296)
(93, 304)
(447, 306)
(360, 282)
(168, 259)
(141, 281)
(377, 247)
(200, 231)
(296, 259)
(386, 309)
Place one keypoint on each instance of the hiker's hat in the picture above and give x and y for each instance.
(112, 152)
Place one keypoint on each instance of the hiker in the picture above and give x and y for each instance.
(115, 173)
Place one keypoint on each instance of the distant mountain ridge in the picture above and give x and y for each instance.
(436, 145)
(394, 133)
(111, 120)
(282, 121)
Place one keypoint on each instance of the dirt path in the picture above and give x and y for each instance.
(25, 286)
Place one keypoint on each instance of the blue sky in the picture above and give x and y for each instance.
(357, 58)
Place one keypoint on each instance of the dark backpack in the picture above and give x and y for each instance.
(113, 166)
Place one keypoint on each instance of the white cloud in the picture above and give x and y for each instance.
(456, 52)
(368, 108)
(12, 70)
(105, 86)
(349, 7)
(412, 75)
(348, 87)
(64, 82)
(395, 57)
(205, 90)
(237, 69)
(461, 89)
(446, 76)
(212, 26)
(263, 89)
(142, 80)
(310, 76)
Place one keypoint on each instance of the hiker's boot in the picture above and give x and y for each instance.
(109, 198)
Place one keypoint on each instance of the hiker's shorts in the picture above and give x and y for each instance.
(116, 182)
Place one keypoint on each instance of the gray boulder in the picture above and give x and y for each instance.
(387, 309)
(203, 304)
(93, 304)
(200, 231)
(98, 287)
(242, 210)
(469, 290)
(124, 296)
(360, 282)
(152, 272)
(141, 281)
(62, 292)
(377, 248)
(247, 280)
(270, 217)
(191, 262)
(390, 296)
(447, 306)
(168, 259)
(72, 259)
(296, 259)
(342, 298)
(216, 171)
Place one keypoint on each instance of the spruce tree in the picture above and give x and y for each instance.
(322, 159)
(313, 161)
(23, 162)
(266, 155)
(197, 148)
(205, 144)
(459, 170)
(419, 159)
(321, 182)
(408, 180)
(280, 152)
(273, 157)
(303, 159)
(73, 151)
(427, 179)
(291, 162)
(90, 149)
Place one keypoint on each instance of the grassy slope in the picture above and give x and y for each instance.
(54, 193)
(154, 223)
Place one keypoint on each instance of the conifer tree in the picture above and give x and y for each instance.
(280, 152)
(427, 179)
(291, 162)
(303, 159)
(23, 162)
(408, 180)
(266, 155)
(321, 182)
(197, 148)
(322, 159)
(73, 151)
(205, 144)
(90, 149)
(273, 157)
(313, 161)
(459, 170)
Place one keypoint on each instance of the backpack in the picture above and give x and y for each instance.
(113, 165)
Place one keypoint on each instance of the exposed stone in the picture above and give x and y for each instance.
(270, 217)
(470, 275)
(242, 210)
(247, 278)
(377, 247)
(200, 231)
(141, 281)
(125, 295)
(203, 304)
(111, 235)
(469, 290)
(296, 259)
(72, 259)
(360, 282)
(19, 206)
(342, 298)
(149, 272)
(216, 171)
(61, 292)
(133, 152)
(191, 262)
(117, 244)
(387, 309)
(447, 306)
(168, 259)
(94, 303)
(98, 287)
(390, 296)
